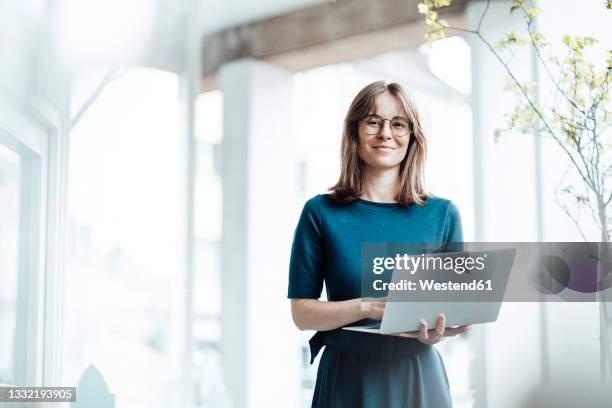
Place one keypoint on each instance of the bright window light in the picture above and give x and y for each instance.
(449, 60)
(123, 288)
(94, 29)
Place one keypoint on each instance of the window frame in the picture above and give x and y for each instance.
(38, 132)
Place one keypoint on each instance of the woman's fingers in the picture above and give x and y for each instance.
(433, 336)
(440, 325)
(423, 332)
(453, 331)
(405, 334)
(409, 334)
(377, 310)
(373, 308)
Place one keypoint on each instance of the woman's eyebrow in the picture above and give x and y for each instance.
(384, 117)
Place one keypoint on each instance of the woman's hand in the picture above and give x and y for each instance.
(436, 335)
(373, 308)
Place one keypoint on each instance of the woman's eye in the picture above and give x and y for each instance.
(373, 123)
(399, 125)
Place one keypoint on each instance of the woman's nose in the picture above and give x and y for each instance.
(385, 131)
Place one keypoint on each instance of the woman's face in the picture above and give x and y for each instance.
(384, 150)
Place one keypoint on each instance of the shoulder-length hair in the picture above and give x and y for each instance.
(350, 184)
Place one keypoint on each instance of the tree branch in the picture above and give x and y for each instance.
(482, 16)
(543, 62)
(536, 110)
(110, 76)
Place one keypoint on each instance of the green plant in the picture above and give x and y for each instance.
(578, 119)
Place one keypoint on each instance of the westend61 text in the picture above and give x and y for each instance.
(431, 285)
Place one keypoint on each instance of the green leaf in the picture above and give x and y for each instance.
(567, 39)
(534, 11)
(442, 3)
(581, 199)
(498, 134)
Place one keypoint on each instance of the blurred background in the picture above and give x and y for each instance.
(155, 156)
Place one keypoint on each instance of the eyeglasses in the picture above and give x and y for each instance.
(400, 126)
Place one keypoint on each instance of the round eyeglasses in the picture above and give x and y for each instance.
(373, 124)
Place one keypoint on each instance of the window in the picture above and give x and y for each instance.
(124, 267)
(24, 170)
(208, 373)
(10, 164)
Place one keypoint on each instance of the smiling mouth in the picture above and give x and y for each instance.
(383, 147)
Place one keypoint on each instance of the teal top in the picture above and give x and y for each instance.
(328, 237)
(327, 241)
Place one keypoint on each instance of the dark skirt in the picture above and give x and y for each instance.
(346, 379)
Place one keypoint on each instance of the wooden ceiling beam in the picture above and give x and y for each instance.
(322, 34)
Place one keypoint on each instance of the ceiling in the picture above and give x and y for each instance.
(218, 14)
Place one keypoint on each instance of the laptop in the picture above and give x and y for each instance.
(401, 314)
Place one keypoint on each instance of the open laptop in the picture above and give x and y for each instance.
(401, 315)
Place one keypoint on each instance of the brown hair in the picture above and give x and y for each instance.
(350, 184)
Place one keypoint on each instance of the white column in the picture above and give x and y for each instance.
(508, 352)
(189, 80)
(260, 346)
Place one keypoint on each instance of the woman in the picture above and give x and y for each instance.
(380, 197)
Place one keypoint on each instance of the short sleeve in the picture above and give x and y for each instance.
(306, 263)
(453, 231)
